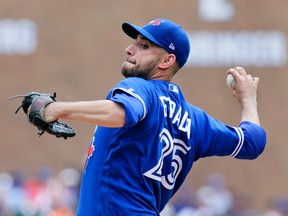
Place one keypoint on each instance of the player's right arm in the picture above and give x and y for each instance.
(246, 94)
(248, 140)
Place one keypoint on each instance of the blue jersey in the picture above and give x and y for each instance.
(136, 169)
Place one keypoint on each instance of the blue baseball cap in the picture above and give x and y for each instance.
(164, 33)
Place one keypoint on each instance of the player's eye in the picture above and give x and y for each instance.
(144, 45)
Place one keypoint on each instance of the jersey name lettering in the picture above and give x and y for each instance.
(173, 149)
(175, 113)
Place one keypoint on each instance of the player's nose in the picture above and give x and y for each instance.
(129, 49)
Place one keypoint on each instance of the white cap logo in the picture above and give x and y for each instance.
(171, 46)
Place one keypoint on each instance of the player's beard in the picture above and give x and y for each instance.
(142, 71)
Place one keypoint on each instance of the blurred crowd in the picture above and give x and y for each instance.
(48, 194)
(214, 198)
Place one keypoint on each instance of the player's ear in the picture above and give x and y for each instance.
(167, 61)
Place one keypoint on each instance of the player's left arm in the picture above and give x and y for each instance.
(100, 112)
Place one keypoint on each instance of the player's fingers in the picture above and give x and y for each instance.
(230, 70)
(256, 80)
(234, 73)
(240, 70)
(249, 77)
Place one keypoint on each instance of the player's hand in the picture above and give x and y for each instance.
(50, 112)
(35, 105)
(246, 86)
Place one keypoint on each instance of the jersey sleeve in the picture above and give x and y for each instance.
(254, 141)
(132, 96)
(214, 138)
(134, 109)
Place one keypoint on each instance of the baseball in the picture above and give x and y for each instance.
(231, 81)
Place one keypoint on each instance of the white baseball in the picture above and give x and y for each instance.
(231, 81)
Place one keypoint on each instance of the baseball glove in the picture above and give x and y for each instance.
(33, 105)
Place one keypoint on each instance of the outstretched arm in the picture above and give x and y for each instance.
(246, 94)
(101, 112)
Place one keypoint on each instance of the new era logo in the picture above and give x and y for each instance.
(171, 46)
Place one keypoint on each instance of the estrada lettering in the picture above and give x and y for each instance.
(175, 113)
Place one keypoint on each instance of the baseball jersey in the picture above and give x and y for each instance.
(136, 169)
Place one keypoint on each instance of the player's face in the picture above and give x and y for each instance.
(142, 60)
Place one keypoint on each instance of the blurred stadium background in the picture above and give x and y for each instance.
(76, 49)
